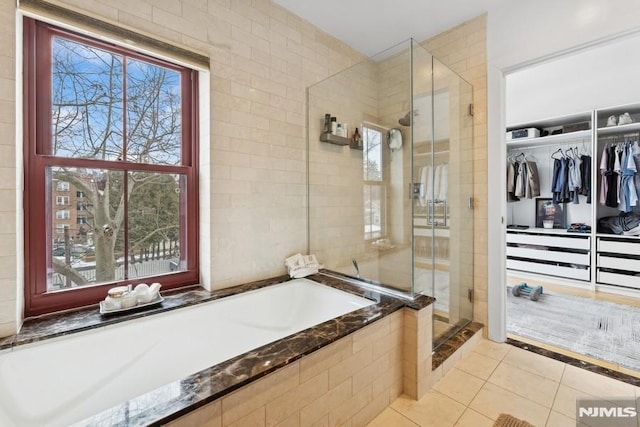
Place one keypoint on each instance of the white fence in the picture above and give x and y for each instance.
(138, 269)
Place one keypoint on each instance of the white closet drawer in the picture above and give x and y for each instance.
(568, 257)
(618, 263)
(617, 246)
(607, 278)
(554, 241)
(553, 270)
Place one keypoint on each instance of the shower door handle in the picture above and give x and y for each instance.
(431, 213)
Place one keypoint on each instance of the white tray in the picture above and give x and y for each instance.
(103, 309)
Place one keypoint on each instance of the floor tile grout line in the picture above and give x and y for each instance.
(404, 416)
(555, 395)
(534, 373)
(517, 394)
(484, 382)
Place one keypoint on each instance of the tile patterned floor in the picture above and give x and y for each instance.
(494, 378)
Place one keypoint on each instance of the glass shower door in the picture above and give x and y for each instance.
(443, 212)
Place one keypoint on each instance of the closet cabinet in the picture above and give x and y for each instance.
(614, 259)
(618, 261)
(549, 252)
(617, 257)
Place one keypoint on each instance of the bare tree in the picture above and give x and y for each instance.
(112, 108)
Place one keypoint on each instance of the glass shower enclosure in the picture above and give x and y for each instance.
(391, 203)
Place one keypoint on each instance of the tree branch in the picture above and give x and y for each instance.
(61, 268)
(156, 231)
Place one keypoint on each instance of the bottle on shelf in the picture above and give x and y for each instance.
(356, 140)
(327, 123)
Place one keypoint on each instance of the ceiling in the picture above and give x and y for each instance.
(371, 26)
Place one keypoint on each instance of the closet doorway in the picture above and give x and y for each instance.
(572, 138)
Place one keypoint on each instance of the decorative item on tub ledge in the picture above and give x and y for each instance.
(299, 265)
(124, 298)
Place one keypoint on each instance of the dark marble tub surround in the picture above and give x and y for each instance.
(616, 375)
(87, 318)
(180, 397)
(175, 399)
(447, 348)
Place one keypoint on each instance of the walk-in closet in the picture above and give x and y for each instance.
(572, 205)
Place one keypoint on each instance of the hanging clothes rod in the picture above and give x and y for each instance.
(549, 144)
(618, 137)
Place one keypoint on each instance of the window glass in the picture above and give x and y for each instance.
(153, 114)
(374, 189)
(154, 223)
(113, 169)
(372, 154)
(87, 101)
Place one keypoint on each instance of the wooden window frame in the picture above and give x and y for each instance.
(37, 136)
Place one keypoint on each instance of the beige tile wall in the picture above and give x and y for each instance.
(417, 349)
(335, 172)
(262, 60)
(8, 163)
(346, 383)
(463, 49)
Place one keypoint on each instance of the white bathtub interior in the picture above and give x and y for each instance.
(68, 379)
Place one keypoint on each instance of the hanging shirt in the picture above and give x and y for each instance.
(635, 153)
(556, 184)
(604, 166)
(629, 171)
(623, 190)
(533, 181)
(612, 179)
(521, 181)
(574, 178)
(585, 174)
(560, 188)
(511, 182)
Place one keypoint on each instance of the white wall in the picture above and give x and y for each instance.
(603, 76)
(523, 32)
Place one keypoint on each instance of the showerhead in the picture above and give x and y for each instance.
(406, 120)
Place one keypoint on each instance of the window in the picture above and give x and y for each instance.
(62, 215)
(374, 188)
(62, 200)
(61, 227)
(119, 128)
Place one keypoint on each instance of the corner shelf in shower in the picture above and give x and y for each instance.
(334, 139)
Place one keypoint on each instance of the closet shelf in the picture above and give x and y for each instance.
(615, 130)
(551, 139)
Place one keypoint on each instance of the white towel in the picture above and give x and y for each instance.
(299, 265)
(443, 188)
(422, 198)
(437, 176)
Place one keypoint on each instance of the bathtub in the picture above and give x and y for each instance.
(60, 381)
